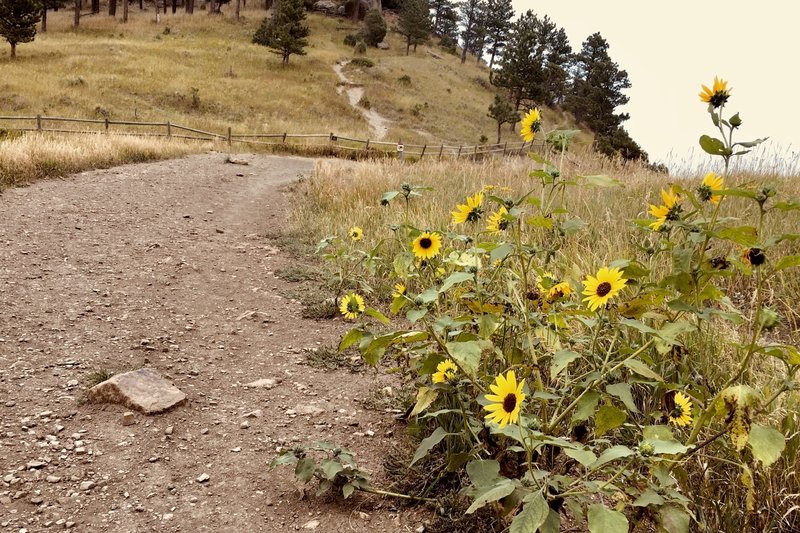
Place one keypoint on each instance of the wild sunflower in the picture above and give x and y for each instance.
(531, 123)
(351, 306)
(717, 95)
(355, 233)
(445, 371)
(498, 221)
(601, 288)
(669, 210)
(469, 212)
(681, 414)
(427, 245)
(506, 400)
(399, 290)
(558, 291)
(754, 256)
(711, 184)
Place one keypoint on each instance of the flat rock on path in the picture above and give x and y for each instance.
(143, 390)
(154, 265)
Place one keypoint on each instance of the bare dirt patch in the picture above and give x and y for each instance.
(167, 265)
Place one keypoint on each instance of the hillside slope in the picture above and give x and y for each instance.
(205, 72)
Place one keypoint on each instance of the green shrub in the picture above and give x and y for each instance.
(374, 27)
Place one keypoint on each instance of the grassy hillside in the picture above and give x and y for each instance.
(205, 72)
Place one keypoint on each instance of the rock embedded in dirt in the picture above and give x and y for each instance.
(143, 390)
(128, 418)
(264, 383)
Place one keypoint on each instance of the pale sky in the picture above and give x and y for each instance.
(670, 47)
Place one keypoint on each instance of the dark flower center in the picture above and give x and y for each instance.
(704, 193)
(509, 402)
(475, 214)
(677, 412)
(533, 295)
(719, 98)
(720, 263)
(674, 213)
(756, 257)
(425, 243)
(352, 305)
(603, 289)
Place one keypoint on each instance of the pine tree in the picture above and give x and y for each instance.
(446, 27)
(374, 30)
(284, 33)
(18, 20)
(439, 9)
(503, 113)
(521, 70)
(559, 61)
(470, 11)
(498, 26)
(414, 22)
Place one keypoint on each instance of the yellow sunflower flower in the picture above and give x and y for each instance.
(427, 245)
(445, 371)
(506, 400)
(399, 290)
(355, 233)
(717, 95)
(498, 221)
(351, 306)
(669, 210)
(469, 212)
(601, 288)
(711, 184)
(531, 123)
(558, 291)
(681, 415)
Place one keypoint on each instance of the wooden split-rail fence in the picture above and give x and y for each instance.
(337, 143)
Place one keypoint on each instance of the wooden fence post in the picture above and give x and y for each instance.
(459, 151)
(169, 130)
(38, 122)
(107, 118)
(366, 148)
(284, 137)
(505, 147)
(424, 147)
(229, 135)
(441, 149)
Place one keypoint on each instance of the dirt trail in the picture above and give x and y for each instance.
(378, 123)
(167, 265)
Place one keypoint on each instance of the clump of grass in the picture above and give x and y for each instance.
(362, 62)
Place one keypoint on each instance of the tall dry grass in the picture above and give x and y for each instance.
(36, 156)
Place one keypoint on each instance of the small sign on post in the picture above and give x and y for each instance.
(400, 149)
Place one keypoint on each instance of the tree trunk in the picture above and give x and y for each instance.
(212, 9)
(141, 5)
(285, 58)
(415, 48)
(112, 8)
(95, 6)
(238, 8)
(464, 52)
(44, 20)
(189, 7)
(499, 124)
(408, 44)
(356, 6)
(13, 50)
(125, 10)
(174, 6)
(491, 64)
(77, 20)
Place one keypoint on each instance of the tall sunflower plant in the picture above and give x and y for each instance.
(561, 392)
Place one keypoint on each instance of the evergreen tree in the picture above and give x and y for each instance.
(521, 70)
(559, 61)
(18, 20)
(470, 11)
(446, 24)
(414, 22)
(374, 27)
(285, 32)
(439, 9)
(498, 26)
(503, 113)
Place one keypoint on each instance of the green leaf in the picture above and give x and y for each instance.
(604, 520)
(584, 456)
(561, 359)
(672, 519)
(350, 338)
(304, 470)
(504, 488)
(466, 354)
(540, 221)
(642, 369)
(601, 181)
(428, 443)
(425, 397)
(767, 443)
(586, 406)
(501, 252)
(483, 472)
(398, 304)
(607, 418)
(330, 468)
(612, 454)
(532, 516)
(788, 261)
(648, 497)
(572, 225)
(743, 235)
(455, 277)
(430, 295)
(638, 325)
(377, 315)
(623, 392)
(413, 315)
(389, 196)
(751, 144)
(712, 145)
(347, 490)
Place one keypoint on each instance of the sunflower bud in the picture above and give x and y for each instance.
(646, 449)
(768, 319)
(735, 121)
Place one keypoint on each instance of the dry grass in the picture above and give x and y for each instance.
(35, 156)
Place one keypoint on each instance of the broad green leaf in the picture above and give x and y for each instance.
(751, 144)
(532, 516)
(642, 369)
(743, 235)
(601, 181)
(389, 196)
(586, 406)
(561, 359)
(623, 392)
(767, 443)
(483, 472)
(604, 520)
(540, 221)
(428, 443)
(425, 397)
(572, 225)
(662, 440)
(398, 304)
(350, 338)
(612, 454)
(638, 325)
(501, 252)
(455, 277)
(466, 354)
(428, 296)
(330, 468)
(672, 519)
(413, 315)
(552, 524)
(347, 490)
(712, 145)
(584, 456)
(377, 315)
(304, 470)
(504, 488)
(788, 261)
(648, 497)
(607, 418)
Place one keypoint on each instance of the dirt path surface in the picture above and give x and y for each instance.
(378, 123)
(166, 265)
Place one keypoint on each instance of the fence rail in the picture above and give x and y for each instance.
(170, 130)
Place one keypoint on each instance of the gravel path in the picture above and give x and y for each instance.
(167, 265)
